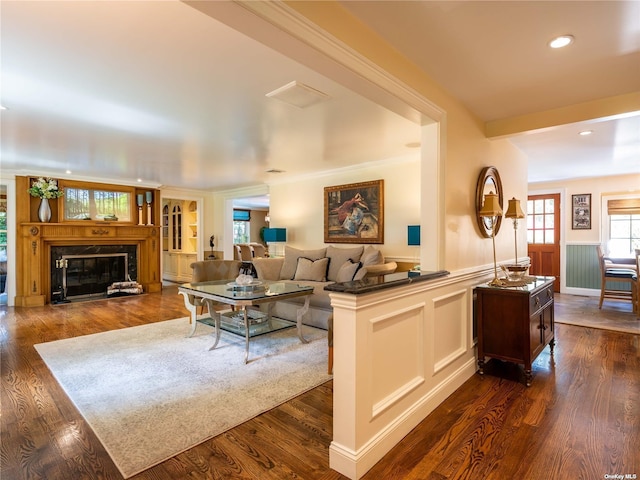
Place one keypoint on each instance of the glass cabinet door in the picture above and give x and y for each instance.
(176, 231)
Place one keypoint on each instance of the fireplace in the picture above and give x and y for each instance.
(85, 271)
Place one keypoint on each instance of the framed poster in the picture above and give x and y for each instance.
(581, 211)
(354, 213)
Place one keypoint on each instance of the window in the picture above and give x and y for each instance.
(3, 230)
(624, 235)
(89, 204)
(540, 221)
(241, 226)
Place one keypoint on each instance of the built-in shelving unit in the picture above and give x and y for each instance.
(180, 238)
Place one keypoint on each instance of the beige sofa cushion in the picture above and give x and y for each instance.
(206, 270)
(338, 258)
(314, 270)
(268, 268)
(371, 256)
(291, 256)
(347, 271)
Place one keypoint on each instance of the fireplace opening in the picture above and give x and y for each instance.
(85, 272)
(90, 275)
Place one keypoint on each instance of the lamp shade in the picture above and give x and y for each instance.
(514, 210)
(413, 235)
(275, 235)
(491, 206)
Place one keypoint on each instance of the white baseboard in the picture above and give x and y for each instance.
(583, 292)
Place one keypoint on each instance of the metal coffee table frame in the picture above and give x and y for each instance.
(242, 297)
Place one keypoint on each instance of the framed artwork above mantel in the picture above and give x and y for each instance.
(354, 213)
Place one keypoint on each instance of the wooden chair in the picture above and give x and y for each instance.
(618, 275)
(258, 250)
(246, 255)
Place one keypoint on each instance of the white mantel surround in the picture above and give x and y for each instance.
(398, 353)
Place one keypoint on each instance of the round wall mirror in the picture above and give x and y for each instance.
(488, 181)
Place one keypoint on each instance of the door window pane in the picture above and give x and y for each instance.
(541, 221)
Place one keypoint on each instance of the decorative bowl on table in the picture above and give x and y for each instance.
(515, 272)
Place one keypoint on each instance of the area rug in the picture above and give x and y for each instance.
(149, 392)
(583, 311)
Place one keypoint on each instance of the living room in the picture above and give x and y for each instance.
(433, 185)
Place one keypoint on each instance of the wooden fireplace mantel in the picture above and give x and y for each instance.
(36, 240)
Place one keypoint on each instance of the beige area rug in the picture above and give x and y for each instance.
(584, 312)
(149, 392)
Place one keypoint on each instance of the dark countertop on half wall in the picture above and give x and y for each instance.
(374, 284)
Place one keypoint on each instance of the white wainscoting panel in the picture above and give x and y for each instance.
(450, 328)
(396, 355)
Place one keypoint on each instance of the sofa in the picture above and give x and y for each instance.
(318, 268)
(208, 270)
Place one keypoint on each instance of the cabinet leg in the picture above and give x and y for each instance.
(552, 344)
(481, 366)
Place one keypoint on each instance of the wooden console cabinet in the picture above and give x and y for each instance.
(515, 323)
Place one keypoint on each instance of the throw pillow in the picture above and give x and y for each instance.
(347, 271)
(371, 256)
(340, 255)
(291, 256)
(315, 270)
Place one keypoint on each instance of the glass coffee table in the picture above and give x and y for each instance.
(243, 320)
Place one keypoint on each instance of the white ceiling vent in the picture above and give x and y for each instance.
(298, 94)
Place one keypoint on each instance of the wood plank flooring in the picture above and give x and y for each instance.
(579, 419)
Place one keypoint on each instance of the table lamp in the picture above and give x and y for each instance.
(275, 235)
(413, 239)
(515, 212)
(491, 208)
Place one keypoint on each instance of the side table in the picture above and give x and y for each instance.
(515, 323)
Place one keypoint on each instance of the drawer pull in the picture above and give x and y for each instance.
(537, 301)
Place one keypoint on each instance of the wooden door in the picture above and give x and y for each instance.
(543, 236)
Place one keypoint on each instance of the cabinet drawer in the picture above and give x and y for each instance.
(540, 299)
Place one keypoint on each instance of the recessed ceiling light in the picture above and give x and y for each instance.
(2, 107)
(68, 172)
(561, 41)
(413, 145)
(139, 180)
(584, 133)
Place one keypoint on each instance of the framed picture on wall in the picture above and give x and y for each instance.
(354, 213)
(581, 211)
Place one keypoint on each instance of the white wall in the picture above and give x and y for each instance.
(299, 206)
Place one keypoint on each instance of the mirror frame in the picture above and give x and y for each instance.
(489, 179)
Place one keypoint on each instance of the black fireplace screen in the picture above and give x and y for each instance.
(90, 275)
(78, 271)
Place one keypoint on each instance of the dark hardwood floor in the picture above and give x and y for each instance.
(579, 419)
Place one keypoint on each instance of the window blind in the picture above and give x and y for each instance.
(241, 215)
(624, 206)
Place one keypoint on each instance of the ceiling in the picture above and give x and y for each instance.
(179, 99)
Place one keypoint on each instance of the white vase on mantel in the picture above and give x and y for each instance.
(44, 212)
